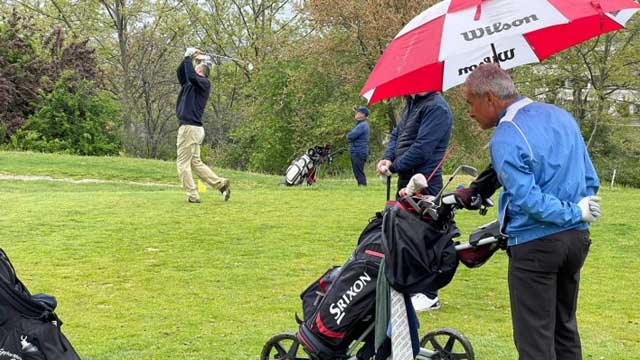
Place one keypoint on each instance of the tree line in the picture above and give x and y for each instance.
(97, 77)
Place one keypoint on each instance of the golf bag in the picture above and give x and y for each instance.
(419, 255)
(340, 305)
(304, 168)
(29, 327)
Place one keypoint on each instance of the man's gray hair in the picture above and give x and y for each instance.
(205, 67)
(491, 78)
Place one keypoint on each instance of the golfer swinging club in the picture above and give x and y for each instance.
(192, 100)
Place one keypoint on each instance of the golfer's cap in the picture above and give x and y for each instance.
(362, 109)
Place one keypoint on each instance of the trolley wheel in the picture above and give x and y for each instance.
(284, 346)
(448, 344)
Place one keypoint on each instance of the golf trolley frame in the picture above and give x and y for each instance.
(443, 343)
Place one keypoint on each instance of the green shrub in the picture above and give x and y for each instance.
(72, 119)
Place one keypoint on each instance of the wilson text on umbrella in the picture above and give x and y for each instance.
(498, 27)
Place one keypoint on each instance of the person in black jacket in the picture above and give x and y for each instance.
(190, 106)
(417, 145)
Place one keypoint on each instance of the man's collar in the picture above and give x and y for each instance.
(504, 111)
(417, 96)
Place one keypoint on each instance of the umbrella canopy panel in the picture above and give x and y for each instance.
(441, 46)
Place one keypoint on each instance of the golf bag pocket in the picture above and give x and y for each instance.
(14, 346)
(46, 339)
(314, 293)
(10, 348)
(349, 305)
(418, 255)
(35, 337)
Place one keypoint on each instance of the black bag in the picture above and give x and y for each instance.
(418, 255)
(29, 327)
(348, 307)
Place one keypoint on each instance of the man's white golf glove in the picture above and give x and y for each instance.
(190, 51)
(590, 207)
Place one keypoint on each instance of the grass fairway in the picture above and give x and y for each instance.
(140, 274)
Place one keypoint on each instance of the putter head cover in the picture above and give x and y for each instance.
(416, 184)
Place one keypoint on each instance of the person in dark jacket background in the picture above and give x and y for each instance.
(417, 145)
(358, 139)
(190, 106)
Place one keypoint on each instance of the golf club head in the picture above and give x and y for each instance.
(465, 169)
(427, 205)
(468, 170)
(433, 213)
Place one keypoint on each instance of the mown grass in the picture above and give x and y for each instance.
(140, 274)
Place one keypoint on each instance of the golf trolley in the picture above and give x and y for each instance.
(443, 343)
(305, 167)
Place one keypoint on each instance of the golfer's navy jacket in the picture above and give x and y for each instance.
(193, 96)
(420, 140)
(358, 138)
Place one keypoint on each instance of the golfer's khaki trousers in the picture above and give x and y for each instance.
(189, 140)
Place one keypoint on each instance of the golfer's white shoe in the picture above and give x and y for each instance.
(226, 194)
(225, 191)
(421, 302)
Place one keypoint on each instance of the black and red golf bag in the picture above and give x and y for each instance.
(345, 298)
(29, 327)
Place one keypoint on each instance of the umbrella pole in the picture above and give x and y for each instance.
(496, 59)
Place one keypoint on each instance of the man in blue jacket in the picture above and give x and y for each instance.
(417, 145)
(549, 184)
(190, 106)
(358, 139)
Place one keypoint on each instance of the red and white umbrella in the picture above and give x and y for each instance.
(439, 48)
